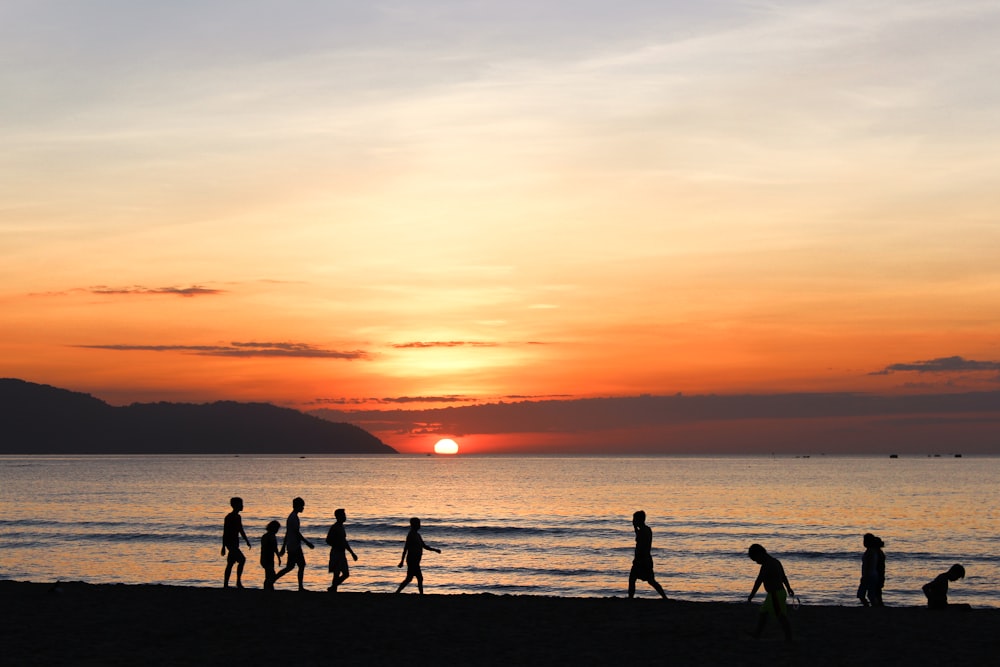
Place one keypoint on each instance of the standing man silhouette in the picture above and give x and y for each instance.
(268, 550)
(642, 563)
(339, 548)
(413, 551)
(232, 530)
(292, 544)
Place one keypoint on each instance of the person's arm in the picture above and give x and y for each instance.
(406, 546)
(350, 550)
(784, 580)
(429, 548)
(245, 538)
(224, 527)
(756, 584)
(303, 538)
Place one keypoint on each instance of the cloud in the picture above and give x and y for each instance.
(419, 345)
(136, 290)
(941, 365)
(427, 399)
(240, 349)
(187, 292)
(452, 398)
(602, 414)
(451, 343)
(537, 397)
(393, 400)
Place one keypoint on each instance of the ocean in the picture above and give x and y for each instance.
(558, 526)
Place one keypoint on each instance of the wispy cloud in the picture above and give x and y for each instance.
(941, 365)
(241, 349)
(421, 345)
(138, 290)
(449, 343)
(444, 398)
(395, 400)
(188, 292)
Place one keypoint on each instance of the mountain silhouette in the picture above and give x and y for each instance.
(40, 419)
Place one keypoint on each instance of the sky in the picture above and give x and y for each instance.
(429, 205)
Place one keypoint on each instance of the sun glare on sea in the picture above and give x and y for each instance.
(446, 446)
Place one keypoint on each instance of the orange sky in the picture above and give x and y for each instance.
(341, 204)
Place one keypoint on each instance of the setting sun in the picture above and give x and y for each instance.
(446, 446)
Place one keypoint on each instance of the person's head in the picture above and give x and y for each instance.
(757, 553)
(236, 503)
(868, 540)
(956, 572)
(415, 523)
(638, 518)
(340, 514)
(273, 526)
(298, 504)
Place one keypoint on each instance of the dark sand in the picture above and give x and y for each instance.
(165, 625)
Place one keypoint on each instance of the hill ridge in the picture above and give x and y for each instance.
(42, 419)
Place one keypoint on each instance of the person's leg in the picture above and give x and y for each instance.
(409, 578)
(240, 562)
(658, 588)
(229, 571)
(289, 566)
(766, 609)
(631, 584)
(420, 581)
(301, 574)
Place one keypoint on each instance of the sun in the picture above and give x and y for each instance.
(446, 446)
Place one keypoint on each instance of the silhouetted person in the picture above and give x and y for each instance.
(232, 530)
(292, 544)
(772, 576)
(937, 590)
(413, 551)
(268, 550)
(336, 537)
(642, 563)
(872, 571)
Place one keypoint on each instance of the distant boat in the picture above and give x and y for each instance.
(958, 456)
(893, 456)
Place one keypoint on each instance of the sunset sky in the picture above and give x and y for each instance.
(416, 205)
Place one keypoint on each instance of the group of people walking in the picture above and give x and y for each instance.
(771, 575)
(292, 549)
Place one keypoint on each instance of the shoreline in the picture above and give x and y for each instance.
(91, 624)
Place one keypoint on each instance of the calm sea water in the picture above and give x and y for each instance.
(541, 526)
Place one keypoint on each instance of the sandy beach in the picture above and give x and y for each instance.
(115, 624)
